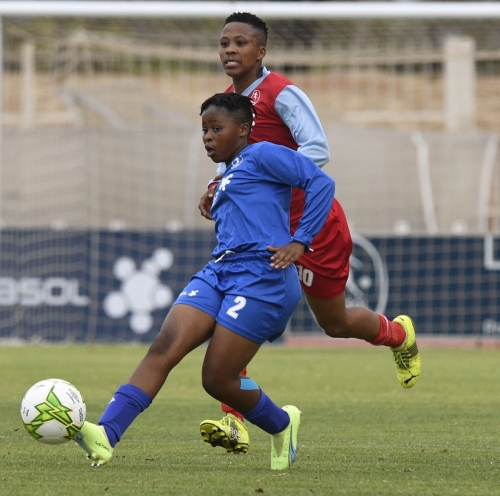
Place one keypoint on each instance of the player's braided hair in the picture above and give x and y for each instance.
(251, 19)
(238, 106)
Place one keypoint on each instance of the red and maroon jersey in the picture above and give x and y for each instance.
(268, 126)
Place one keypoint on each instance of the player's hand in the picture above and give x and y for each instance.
(206, 203)
(206, 200)
(286, 255)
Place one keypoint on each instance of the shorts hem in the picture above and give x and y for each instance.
(197, 306)
(253, 338)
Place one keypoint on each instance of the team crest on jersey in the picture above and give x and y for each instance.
(237, 161)
(255, 96)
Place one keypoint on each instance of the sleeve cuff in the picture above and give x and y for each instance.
(307, 244)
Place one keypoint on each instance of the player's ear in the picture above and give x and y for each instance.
(244, 129)
(262, 52)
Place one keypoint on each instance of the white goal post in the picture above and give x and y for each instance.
(269, 10)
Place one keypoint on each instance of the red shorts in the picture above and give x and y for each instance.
(323, 272)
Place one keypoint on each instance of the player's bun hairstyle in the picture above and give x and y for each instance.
(239, 107)
(251, 19)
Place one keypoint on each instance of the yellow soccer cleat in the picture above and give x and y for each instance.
(407, 356)
(284, 445)
(230, 433)
(93, 439)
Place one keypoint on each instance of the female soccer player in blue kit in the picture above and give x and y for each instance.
(252, 273)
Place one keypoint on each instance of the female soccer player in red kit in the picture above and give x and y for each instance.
(286, 116)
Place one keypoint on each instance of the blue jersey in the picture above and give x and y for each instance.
(252, 202)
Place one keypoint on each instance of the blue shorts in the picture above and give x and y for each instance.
(245, 294)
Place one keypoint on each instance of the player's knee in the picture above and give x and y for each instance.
(164, 354)
(158, 347)
(212, 383)
(334, 329)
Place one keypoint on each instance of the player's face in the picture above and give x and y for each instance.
(223, 137)
(241, 51)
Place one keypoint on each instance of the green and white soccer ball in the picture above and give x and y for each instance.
(53, 411)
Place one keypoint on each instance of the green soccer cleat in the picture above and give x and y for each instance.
(284, 445)
(93, 439)
(407, 356)
(229, 433)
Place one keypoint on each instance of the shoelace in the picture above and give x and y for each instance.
(235, 433)
(403, 357)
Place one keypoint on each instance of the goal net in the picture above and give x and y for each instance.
(102, 163)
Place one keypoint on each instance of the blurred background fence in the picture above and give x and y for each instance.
(101, 137)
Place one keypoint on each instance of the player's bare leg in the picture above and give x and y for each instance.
(361, 323)
(222, 380)
(230, 432)
(184, 329)
(221, 377)
(338, 321)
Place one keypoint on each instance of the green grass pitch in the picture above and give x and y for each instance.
(361, 433)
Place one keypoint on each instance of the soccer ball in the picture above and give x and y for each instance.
(53, 411)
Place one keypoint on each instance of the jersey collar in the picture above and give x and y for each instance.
(256, 83)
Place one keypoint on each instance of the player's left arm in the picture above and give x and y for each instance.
(290, 167)
(296, 110)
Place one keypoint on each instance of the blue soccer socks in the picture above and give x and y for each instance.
(127, 403)
(267, 415)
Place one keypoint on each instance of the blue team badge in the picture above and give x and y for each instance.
(237, 161)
